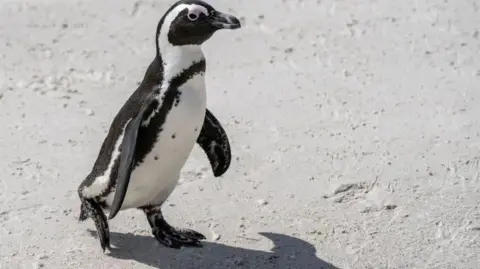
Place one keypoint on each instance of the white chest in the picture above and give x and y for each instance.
(152, 181)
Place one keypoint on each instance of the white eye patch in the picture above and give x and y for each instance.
(194, 12)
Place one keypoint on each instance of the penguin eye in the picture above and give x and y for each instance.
(192, 16)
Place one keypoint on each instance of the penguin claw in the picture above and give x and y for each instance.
(177, 238)
(191, 234)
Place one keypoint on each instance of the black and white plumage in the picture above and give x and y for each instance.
(153, 134)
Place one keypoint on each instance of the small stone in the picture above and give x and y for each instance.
(390, 206)
(216, 237)
(289, 50)
(89, 112)
(262, 202)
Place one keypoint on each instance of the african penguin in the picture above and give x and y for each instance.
(153, 134)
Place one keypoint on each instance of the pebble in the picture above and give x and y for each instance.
(216, 237)
(390, 206)
(289, 50)
(89, 112)
(262, 202)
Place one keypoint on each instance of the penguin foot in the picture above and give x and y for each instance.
(169, 236)
(83, 213)
(92, 209)
(177, 238)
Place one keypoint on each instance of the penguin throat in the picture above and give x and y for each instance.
(176, 59)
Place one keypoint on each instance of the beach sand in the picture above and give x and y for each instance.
(354, 128)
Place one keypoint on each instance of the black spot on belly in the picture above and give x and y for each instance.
(155, 158)
(174, 135)
(196, 129)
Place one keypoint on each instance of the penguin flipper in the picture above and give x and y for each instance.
(214, 141)
(127, 156)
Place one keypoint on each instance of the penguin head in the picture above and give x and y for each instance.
(192, 22)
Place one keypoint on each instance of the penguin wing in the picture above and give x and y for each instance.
(127, 154)
(214, 142)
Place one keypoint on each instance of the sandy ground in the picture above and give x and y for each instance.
(354, 127)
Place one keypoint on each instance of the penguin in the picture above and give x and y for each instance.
(153, 134)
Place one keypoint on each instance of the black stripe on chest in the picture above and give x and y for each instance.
(148, 135)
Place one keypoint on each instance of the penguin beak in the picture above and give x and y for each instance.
(221, 20)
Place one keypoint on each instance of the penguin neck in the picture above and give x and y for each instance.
(176, 59)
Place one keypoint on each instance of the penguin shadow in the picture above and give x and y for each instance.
(288, 253)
